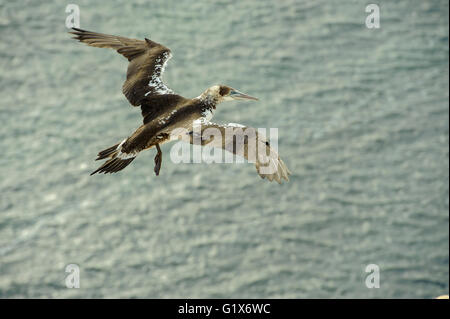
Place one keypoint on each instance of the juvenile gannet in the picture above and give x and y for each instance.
(164, 111)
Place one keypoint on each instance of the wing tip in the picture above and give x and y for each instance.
(282, 173)
(77, 31)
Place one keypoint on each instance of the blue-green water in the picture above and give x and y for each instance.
(363, 125)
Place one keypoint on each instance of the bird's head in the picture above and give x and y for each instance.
(221, 93)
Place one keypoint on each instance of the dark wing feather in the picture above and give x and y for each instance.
(156, 105)
(246, 142)
(147, 61)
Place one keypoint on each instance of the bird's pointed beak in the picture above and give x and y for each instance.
(236, 95)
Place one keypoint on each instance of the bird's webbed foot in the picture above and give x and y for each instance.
(158, 160)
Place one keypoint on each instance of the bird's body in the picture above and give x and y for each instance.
(163, 111)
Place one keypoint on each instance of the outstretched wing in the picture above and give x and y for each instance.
(156, 105)
(147, 62)
(246, 142)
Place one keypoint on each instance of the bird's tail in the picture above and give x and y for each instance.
(116, 162)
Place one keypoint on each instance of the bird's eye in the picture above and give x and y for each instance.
(224, 90)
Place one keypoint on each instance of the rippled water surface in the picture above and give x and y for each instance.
(363, 125)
